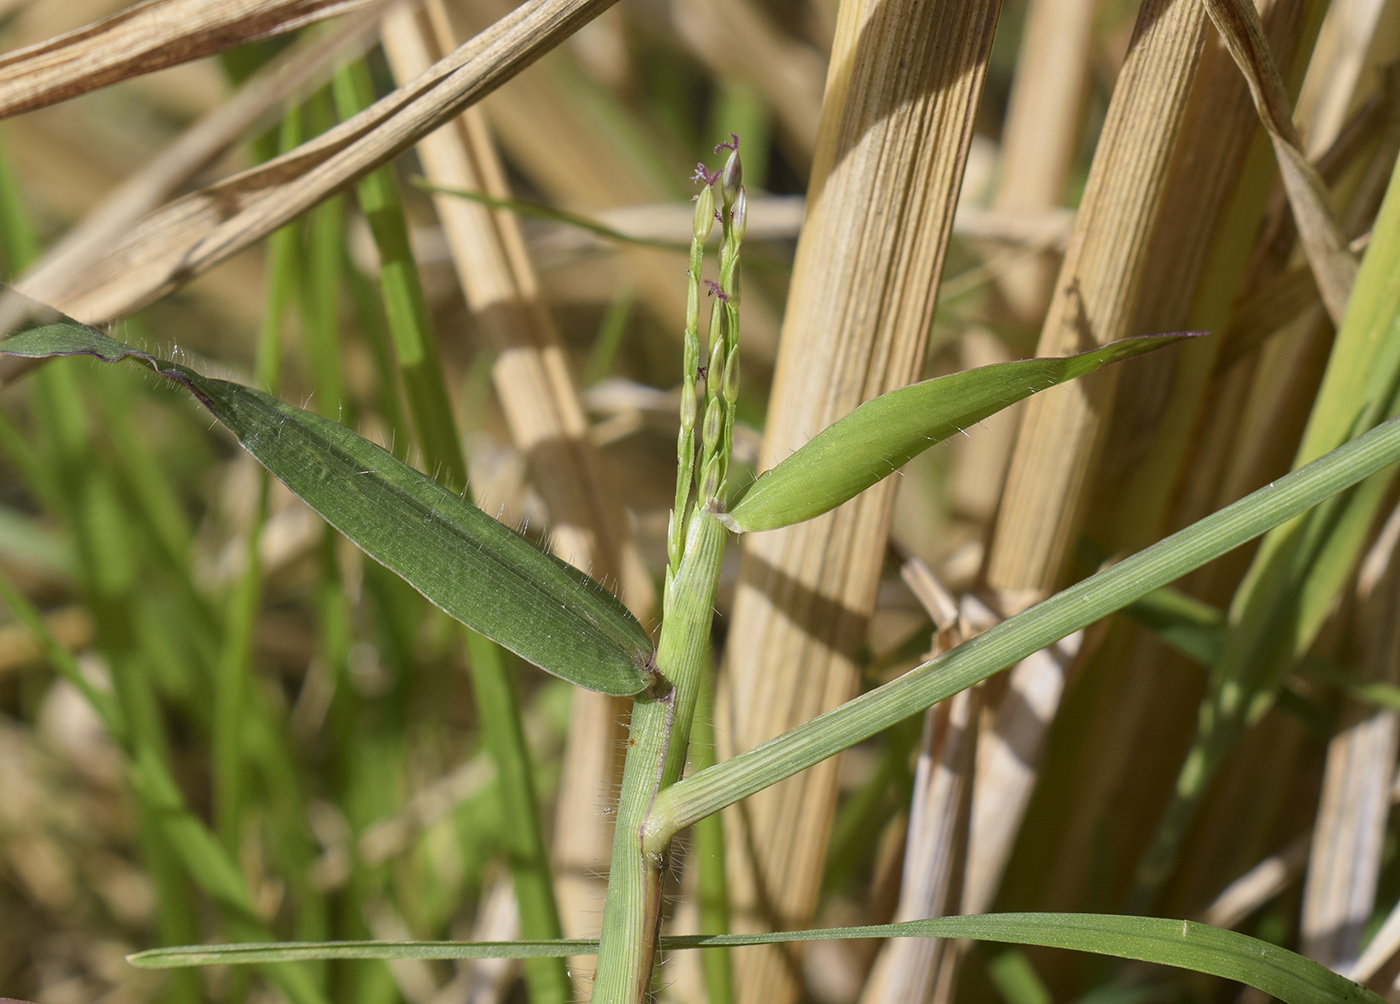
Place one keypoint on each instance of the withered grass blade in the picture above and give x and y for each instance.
(190, 235)
(1040, 139)
(1349, 834)
(55, 277)
(896, 126)
(1095, 294)
(547, 421)
(1333, 264)
(936, 845)
(144, 38)
(1213, 199)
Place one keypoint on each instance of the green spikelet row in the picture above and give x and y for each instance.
(722, 373)
(716, 433)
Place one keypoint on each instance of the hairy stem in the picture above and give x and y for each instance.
(656, 748)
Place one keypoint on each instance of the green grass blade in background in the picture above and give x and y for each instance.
(477, 570)
(407, 310)
(1283, 974)
(883, 434)
(1302, 566)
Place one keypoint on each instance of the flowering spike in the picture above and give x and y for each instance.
(733, 144)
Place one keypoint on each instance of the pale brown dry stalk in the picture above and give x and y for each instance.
(1211, 206)
(60, 272)
(1059, 436)
(1350, 49)
(546, 418)
(1349, 833)
(1333, 264)
(552, 135)
(146, 37)
(1095, 295)
(896, 125)
(1041, 134)
(913, 969)
(192, 234)
(1247, 430)
(1040, 139)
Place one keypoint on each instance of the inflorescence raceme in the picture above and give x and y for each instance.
(721, 200)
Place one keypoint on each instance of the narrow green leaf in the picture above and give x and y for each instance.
(884, 434)
(482, 573)
(536, 210)
(1181, 943)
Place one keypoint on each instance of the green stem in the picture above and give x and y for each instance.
(659, 735)
(546, 979)
(231, 684)
(712, 886)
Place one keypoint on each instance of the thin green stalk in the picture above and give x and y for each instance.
(320, 293)
(17, 238)
(712, 886)
(1007, 643)
(414, 341)
(231, 684)
(610, 335)
(234, 671)
(524, 843)
(415, 347)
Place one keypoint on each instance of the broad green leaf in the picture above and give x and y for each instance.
(482, 573)
(884, 434)
(1181, 943)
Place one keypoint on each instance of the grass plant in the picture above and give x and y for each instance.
(261, 767)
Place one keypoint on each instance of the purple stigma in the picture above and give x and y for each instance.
(733, 144)
(703, 176)
(716, 291)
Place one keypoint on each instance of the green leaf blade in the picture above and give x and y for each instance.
(1180, 943)
(478, 571)
(885, 433)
